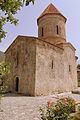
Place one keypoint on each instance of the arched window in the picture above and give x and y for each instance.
(17, 84)
(52, 64)
(42, 33)
(17, 59)
(57, 29)
(69, 68)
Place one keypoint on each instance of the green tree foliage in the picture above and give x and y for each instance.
(8, 8)
(78, 66)
(4, 70)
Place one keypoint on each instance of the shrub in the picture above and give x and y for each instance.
(79, 84)
(59, 111)
(4, 71)
(68, 103)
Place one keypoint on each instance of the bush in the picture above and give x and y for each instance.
(4, 71)
(68, 103)
(79, 84)
(59, 111)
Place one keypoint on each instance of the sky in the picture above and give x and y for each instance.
(28, 22)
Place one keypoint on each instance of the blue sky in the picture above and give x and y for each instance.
(28, 22)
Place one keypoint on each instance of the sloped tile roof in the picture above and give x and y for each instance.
(51, 9)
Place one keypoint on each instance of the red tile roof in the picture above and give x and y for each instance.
(51, 9)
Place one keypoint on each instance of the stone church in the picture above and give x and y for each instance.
(45, 64)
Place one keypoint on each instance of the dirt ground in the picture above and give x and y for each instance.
(16, 107)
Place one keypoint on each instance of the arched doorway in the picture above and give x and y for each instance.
(17, 84)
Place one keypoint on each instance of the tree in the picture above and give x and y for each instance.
(8, 8)
(4, 70)
(78, 66)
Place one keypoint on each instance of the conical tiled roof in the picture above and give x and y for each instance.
(51, 9)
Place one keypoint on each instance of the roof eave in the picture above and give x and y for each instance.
(52, 14)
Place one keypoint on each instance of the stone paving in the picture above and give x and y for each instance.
(27, 108)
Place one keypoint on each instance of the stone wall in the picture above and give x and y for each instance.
(22, 56)
(52, 69)
(49, 24)
(42, 68)
(49, 69)
(70, 67)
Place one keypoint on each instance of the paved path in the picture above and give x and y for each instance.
(27, 108)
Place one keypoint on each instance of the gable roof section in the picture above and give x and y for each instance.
(20, 36)
(51, 9)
